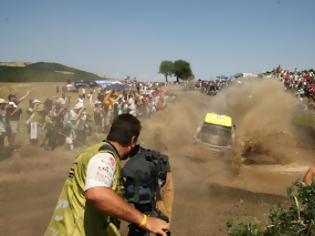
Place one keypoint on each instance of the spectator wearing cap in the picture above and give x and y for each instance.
(78, 118)
(13, 98)
(33, 122)
(13, 114)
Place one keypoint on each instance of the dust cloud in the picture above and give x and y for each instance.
(177, 125)
(262, 112)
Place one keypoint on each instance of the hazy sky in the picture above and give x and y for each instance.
(131, 37)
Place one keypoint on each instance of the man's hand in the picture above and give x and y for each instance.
(157, 226)
(109, 202)
(310, 174)
(25, 96)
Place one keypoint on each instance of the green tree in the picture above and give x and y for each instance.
(167, 69)
(182, 70)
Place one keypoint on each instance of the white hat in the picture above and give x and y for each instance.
(13, 104)
(3, 101)
(35, 101)
(79, 105)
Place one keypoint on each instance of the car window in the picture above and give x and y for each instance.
(215, 134)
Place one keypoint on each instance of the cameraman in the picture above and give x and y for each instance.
(148, 185)
(90, 196)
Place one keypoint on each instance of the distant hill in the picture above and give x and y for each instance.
(41, 71)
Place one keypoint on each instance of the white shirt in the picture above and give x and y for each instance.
(62, 101)
(80, 101)
(100, 171)
(73, 115)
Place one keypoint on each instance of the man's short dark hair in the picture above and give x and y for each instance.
(124, 127)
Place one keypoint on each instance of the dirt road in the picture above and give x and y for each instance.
(208, 193)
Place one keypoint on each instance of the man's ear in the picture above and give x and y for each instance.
(133, 140)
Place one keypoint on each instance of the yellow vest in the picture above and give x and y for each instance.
(73, 216)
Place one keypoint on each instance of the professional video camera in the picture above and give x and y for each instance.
(144, 175)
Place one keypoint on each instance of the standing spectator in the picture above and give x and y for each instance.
(108, 104)
(69, 129)
(145, 102)
(81, 126)
(62, 100)
(80, 101)
(33, 122)
(29, 112)
(13, 98)
(3, 122)
(132, 106)
(98, 116)
(120, 105)
(151, 106)
(13, 114)
(78, 122)
(90, 98)
(50, 129)
(82, 92)
(60, 113)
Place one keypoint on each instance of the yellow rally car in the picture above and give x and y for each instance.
(216, 131)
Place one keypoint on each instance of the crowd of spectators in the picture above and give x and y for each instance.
(212, 87)
(59, 121)
(301, 83)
